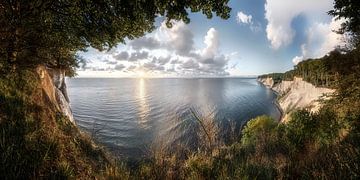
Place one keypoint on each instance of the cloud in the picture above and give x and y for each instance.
(131, 68)
(145, 43)
(190, 64)
(175, 61)
(150, 66)
(206, 61)
(119, 67)
(321, 39)
(280, 15)
(210, 58)
(324, 33)
(297, 59)
(138, 55)
(100, 68)
(161, 60)
(212, 44)
(179, 38)
(255, 27)
(243, 18)
(110, 62)
(122, 56)
(172, 51)
(171, 70)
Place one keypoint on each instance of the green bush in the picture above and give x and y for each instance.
(257, 130)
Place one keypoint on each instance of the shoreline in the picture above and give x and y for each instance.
(279, 108)
(275, 101)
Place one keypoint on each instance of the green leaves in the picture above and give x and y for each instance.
(51, 32)
(350, 10)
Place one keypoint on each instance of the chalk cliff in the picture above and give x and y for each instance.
(297, 94)
(54, 89)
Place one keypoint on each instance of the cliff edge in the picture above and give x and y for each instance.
(54, 87)
(297, 94)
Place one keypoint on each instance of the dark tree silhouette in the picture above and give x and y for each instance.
(50, 32)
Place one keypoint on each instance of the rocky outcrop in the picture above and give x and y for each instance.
(297, 94)
(54, 89)
(268, 82)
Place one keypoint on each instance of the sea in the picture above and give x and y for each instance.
(129, 116)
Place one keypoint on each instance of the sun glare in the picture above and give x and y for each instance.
(141, 74)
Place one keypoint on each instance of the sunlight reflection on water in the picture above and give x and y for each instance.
(130, 114)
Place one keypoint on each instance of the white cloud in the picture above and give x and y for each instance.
(212, 44)
(324, 33)
(170, 51)
(321, 39)
(280, 14)
(179, 37)
(297, 59)
(243, 18)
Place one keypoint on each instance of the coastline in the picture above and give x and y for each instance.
(279, 108)
(275, 101)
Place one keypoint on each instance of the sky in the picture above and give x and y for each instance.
(261, 36)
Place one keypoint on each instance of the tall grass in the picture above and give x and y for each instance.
(304, 148)
(37, 141)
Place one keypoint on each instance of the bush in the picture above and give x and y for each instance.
(258, 130)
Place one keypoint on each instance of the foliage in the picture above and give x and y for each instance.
(36, 141)
(350, 10)
(315, 71)
(256, 128)
(50, 32)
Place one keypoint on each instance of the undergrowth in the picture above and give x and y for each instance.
(38, 141)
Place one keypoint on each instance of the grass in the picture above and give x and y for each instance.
(36, 141)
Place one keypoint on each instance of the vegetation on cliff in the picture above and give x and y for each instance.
(36, 140)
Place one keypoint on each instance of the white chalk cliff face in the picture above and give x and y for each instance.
(54, 89)
(297, 94)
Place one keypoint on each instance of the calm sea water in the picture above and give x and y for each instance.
(129, 115)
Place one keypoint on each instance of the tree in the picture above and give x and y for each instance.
(50, 32)
(350, 10)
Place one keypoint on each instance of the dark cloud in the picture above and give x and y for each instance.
(110, 62)
(190, 64)
(208, 67)
(145, 43)
(138, 55)
(161, 60)
(220, 61)
(134, 56)
(122, 56)
(181, 39)
(175, 61)
(150, 66)
(119, 67)
(98, 69)
(131, 68)
(171, 70)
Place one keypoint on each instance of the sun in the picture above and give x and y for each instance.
(141, 74)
